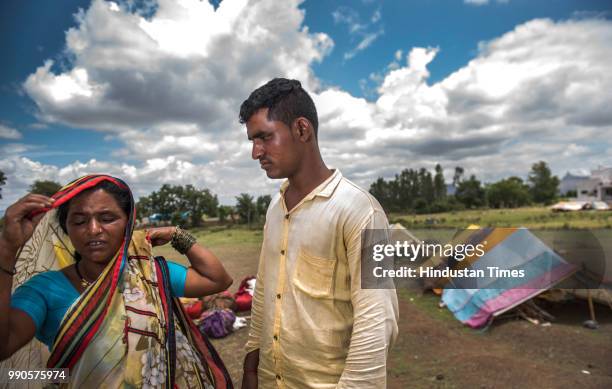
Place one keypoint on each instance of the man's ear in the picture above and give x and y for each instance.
(303, 129)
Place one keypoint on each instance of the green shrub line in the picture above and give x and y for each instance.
(530, 217)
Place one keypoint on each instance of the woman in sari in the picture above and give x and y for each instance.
(110, 312)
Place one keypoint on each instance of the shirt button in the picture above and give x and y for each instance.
(282, 252)
(275, 337)
(278, 377)
(287, 216)
(278, 296)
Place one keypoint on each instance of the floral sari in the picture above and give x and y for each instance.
(126, 329)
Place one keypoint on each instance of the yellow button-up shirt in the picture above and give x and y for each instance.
(313, 324)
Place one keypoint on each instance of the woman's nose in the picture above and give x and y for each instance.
(94, 226)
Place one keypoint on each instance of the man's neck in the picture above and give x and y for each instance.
(305, 180)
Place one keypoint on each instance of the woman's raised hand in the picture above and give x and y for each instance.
(18, 226)
(161, 235)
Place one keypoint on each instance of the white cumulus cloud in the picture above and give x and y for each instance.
(7, 132)
(169, 87)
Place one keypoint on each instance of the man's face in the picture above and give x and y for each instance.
(274, 145)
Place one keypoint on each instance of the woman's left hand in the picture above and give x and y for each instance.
(161, 235)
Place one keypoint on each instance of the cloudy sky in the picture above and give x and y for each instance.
(150, 90)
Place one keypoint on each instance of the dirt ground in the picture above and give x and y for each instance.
(433, 350)
(239, 263)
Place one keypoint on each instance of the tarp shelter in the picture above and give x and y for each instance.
(575, 205)
(477, 303)
(400, 233)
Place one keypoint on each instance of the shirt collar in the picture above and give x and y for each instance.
(328, 186)
(325, 189)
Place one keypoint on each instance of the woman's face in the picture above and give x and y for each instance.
(96, 225)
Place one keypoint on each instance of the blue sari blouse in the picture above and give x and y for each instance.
(47, 296)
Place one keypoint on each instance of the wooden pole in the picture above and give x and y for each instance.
(591, 307)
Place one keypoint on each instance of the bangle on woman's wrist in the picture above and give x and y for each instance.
(182, 240)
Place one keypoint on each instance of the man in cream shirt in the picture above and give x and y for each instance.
(312, 325)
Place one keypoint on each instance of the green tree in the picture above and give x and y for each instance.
(46, 188)
(261, 205)
(144, 207)
(417, 191)
(508, 193)
(165, 200)
(197, 203)
(381, 190)
(439, 184)
(2, 182)
(406, 189)
(246, 208)
(179, 203)
(426, 186)
(458, 176)
(410, 190)
(470, 192)
(544, 185)
(223, 211)
(400, 190)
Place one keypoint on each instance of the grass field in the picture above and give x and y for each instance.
(531, 217)
(219, 239)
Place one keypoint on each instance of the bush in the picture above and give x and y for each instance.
(420, 206)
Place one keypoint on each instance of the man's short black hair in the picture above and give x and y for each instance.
(286, 101)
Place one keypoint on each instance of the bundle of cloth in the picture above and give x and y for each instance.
(244, 296)
(215, 315)
(217, 323)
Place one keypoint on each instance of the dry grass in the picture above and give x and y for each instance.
(531, 217)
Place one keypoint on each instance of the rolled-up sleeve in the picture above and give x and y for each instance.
(375, 315)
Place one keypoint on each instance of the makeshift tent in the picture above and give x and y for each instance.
(600, 206)
(601, 296)
(400, 233)
(575, 205)
(478, 304)
(475, 302)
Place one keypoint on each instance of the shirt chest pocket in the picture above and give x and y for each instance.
(314, 275)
